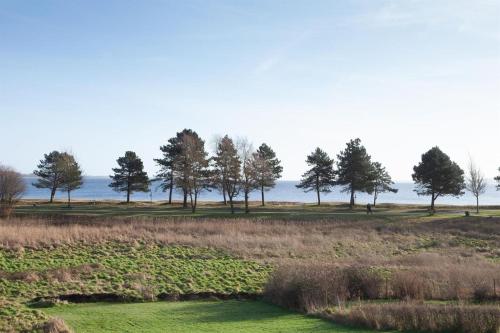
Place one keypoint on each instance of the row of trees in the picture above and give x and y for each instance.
(354, 172)
(436, 175)
(235, 168)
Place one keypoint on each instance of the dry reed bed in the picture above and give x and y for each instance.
(423, 317)
(366, 240)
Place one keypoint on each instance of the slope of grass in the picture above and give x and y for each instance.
(192, 316)
(136, 271)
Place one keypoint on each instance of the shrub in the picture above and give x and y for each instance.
(56, 325)
(423, 318)
(311, 287)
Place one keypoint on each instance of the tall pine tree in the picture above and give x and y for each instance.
(354, 169)
(49, 173)
(437, 175)
(129, 177)
(71, 175)
(267, 167)
(321, 177)
(382, 181)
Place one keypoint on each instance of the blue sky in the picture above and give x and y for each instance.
(101, 77)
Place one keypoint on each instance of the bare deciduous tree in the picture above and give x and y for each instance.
(228, 168)
(12, 187)
(249, 180)
(475, 182)
(192, 168)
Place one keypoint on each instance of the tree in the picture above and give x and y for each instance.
(267, 167)
(49, 173)
(497, 179)
(248, 172)
(191, 171)
(170, 152)
(354, 169)
(12, 187)
(475, 182)
(437, 175)
(71, 175)
(129, 177)
(382, 181)
(228, 167)
(321, 177)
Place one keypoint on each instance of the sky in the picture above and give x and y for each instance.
(97, 78)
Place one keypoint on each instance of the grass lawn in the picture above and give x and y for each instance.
(190, 316)
(216, 210)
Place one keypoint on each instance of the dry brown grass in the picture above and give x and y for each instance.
(369, 241)
(423, 317)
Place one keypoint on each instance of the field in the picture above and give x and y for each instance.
(326, 261)
(191, 316)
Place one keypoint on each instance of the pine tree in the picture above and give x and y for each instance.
(49, 173)
(437, 175)
(321, 177)
(71, 175)
(228, 167)
(268, 168)
(354, 169)
(129, 177)
(170, 152)
(382, 181)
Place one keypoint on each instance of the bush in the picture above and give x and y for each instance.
(423, 318)
(312, 287)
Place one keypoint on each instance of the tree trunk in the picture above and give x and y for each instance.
(69, 198)
(184, 204)
(193, 208)
(262, 195)
(477, 204)
(170, 190)
(52, 194)
(432, 201)
(195, 202)
(318, 195)
(128, 195)
(374, 198)
(224, 194)
(231, 204)
(246, 202)
(351, 202)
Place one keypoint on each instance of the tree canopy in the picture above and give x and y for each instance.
(71, 174)
(382, 181)
(321, 177)
(228, 167)
(167, 162)
(130, 176)
(354, 169)
(49, 173)
(267, 168)
(190, 167)
(437, 175)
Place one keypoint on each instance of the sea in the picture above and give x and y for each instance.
(97, 188)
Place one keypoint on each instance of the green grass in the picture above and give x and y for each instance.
(216, 210)
(191, 316)
(128, 270)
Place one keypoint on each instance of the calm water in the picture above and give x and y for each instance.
(96, 188)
